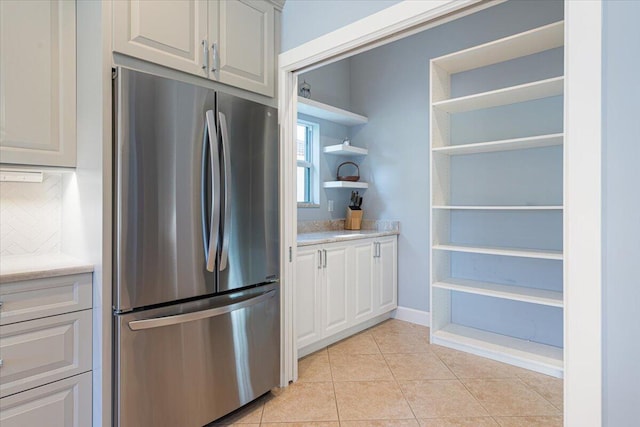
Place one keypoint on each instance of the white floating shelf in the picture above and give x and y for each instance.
(514, 293)
(510, 95)
(503, 145)
(526, 354)
(345, 184)
(501, 208)
(537, 40)
(345, 150)
(329, 112)
(491, 250)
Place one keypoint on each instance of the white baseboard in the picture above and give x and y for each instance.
(412, 315)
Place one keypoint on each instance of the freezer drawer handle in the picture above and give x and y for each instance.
(137, 325)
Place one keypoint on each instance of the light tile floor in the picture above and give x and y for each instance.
(390, 375)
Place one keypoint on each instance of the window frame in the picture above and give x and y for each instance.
(312, 190)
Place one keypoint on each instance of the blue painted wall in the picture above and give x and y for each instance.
(621, 213)
(305, 20)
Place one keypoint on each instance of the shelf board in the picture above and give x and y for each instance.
(329, 112)
(534, 41)
(514, 293)
(526, 354)
(501, 208)
(345, 184)
(345, 150)
(503, 145)
(510, 95)
(491, 250)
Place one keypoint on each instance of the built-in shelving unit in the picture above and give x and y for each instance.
(329, 112)
(345, 184)
(448, 212)
(345, 150)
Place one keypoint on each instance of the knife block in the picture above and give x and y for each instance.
(354, 219)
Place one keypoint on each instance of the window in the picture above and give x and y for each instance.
(307, 160)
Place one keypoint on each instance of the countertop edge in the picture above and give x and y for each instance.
(343, 238)
(31, 268)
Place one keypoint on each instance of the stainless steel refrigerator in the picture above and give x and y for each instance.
(196, 242)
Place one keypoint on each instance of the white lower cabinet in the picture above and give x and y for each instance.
(46, 351)
(342, 285)
(64, 403)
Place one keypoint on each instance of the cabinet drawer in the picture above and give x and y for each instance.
(33, 299)
(44, 350)
(63, 403)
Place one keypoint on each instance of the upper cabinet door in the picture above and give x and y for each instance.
(244, 56)
(38, 82)
(172, 33)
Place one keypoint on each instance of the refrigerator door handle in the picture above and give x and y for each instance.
(226, 221)
(158, 322)
(210, 241)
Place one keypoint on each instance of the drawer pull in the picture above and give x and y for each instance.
(1, 363)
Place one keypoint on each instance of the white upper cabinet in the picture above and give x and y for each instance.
(230, 41)
(245, 31)
(170, 33)
(38, 82)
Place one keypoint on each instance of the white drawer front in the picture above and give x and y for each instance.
(33, 299)
(40, 351)
(65, 403)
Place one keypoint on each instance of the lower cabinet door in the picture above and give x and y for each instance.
(336, 301)
(64, 403)
(363, 270)
(307, 296)
(387, 274)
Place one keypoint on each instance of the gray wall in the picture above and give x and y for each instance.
(621, 213)
(304, 20)
(390, 85)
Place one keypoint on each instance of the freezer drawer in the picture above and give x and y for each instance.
(190, 364)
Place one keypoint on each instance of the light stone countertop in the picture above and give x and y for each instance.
(332, 236)
(15, 268)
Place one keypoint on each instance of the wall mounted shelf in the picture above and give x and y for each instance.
(329, 112)
(345, 150)
(345, 184)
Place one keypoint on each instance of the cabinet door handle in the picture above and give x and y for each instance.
(214, 57)
(205, 55)
(377, 249)
(319, 259)
(324, 264)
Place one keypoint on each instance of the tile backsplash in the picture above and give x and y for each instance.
(30, 216)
